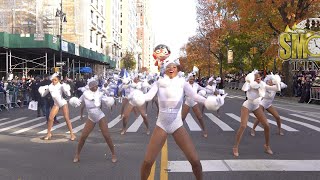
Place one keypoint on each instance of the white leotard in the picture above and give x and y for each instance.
(92, 102)
(170, 97)
(56, 93)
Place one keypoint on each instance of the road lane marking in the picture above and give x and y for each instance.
(300, 123)
(32, 127)
(15, 120)
(136, 124)
(283, 126)
(193, 126)
(218, 122)
(60, 125)
(77, 129)
(237, 118)
(247, 165)
(306, 118)
(114, 122)
(164, 162)
(20, 124)
(152, 172)
(2, 119)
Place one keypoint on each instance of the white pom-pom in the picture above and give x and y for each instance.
(43, 90)
(202, 93)
(214, 102)
(245, 87)
(137, 98)
(145, 84)
(254, 85)
(249, 78)
(75, 102)
(66, 89)
(283, 85)
(109, 101)
(276, 79)
(211, 103)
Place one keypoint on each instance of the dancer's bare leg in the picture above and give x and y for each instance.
(65, 111)
(144, 117)
(88, 127)
(243, 126)
(275, 114)
(134, 109)
(184, 112)
(125, 118)
(105, 132)
(255, 124)
(263, 120)
(54, 111)
(124, 103)
(198, 113)
(185, 143)
(157, 140)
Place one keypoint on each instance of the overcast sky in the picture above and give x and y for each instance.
(174, 21)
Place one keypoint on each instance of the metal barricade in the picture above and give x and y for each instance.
(314, 94)
(240, 85)
(3, 101)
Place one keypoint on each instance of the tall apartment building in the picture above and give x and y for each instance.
(113, 14)
(145, 34)
(128, 23)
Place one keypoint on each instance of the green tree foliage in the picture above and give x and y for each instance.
(128, 61)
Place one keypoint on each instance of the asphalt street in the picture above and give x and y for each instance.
(24, 156)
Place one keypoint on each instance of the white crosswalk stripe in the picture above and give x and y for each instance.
(114, 122)
(136, 124)
(283, 126)
(301, 123)
(2, 119)
(237, 118)
(59, 125)
(110, 125)
(32, 127)
(20, 124)
(193, 126)
(15, 120)
(218, 122)
(247, 165)
(306, 118)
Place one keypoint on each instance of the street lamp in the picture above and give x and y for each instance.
(62, 16)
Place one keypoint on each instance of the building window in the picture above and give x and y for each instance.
(97, 20)
(102, 24)
(91, 14)
(121, 30)
(91, 36)
(97, 39)
(101, 43)
(102, 9)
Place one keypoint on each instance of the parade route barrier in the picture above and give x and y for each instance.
(3, 101)
(314, 94)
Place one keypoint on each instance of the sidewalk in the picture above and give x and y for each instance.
(277, 98)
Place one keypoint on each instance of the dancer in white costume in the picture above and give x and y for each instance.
(190, 103)
(135, 85)
(266, 104)
(92, 99)
(170, 91)
(255, 91)
(56, 90)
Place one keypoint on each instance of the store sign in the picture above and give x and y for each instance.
(300, 44)
(76, 50)
(64, 46)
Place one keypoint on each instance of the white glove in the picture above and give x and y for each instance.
(109, 101)
(75, 102)
(43, 90)
(137, 98)
(245, 87)
(66, 89)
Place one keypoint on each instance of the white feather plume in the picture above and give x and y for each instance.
(43, 90)
(137, 98)
(109, 101)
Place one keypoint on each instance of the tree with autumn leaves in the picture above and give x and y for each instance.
(248, 27)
